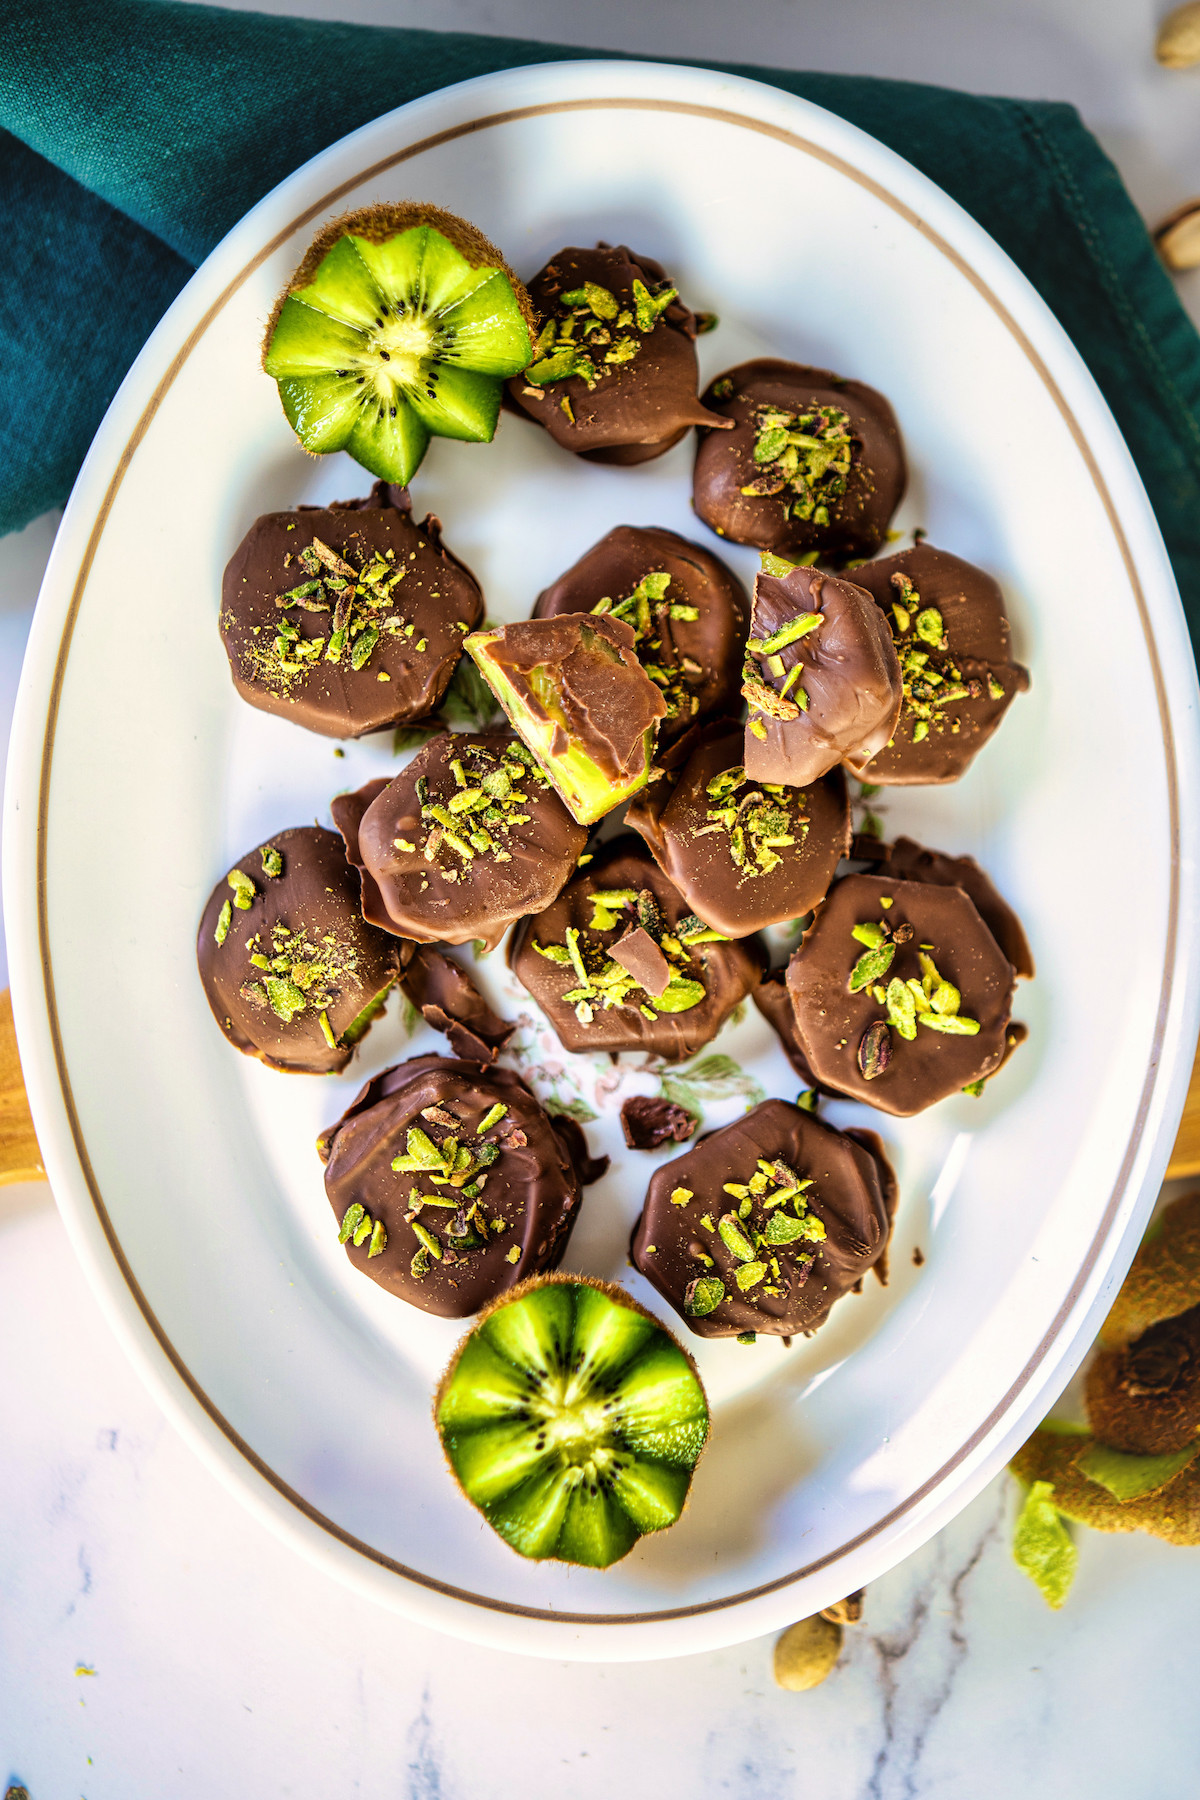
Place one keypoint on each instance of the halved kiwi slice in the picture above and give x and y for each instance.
(572, 1420)
(401, 324)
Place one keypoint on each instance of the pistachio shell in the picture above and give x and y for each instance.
(1178, 43)
(807, 1653)
(1178, 237)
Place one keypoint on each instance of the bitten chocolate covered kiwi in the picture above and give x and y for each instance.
(574, 690)
(821, 679)
(955, 648)
(901, 993)
(346, 618)
(766, 1223)
(688, 612)
(291, 971)
(467, 838)
(614, 374)
(619, 962)
(742, 854)
(450, 1184)
(814, 463)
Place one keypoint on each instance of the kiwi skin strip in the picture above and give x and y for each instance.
(387, 426)
(638, 1463)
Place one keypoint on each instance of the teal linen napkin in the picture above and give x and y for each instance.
(134, 134)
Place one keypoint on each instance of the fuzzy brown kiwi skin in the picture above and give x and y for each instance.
(377, 224)
(616, 1294)
(1164, 1279)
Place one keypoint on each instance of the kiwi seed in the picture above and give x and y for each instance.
(572, 1419)
(401, 324)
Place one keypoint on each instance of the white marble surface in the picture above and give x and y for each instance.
(157, 1644)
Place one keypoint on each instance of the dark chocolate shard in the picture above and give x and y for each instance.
(814, 463)
(440, 868)
(954, 643)
(615, 374)
(945, 991)
(911, 861)
(641, 957)
(763, 1225)
(743, 855)
(290, 969)
(346, 619)
(577, 695)
(446, 997)
(688, 612)
(819, 696)
(648, 1122)
(447, 1216)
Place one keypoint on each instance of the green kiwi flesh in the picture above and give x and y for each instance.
(401, 324)
(572, 1420)
(587, 790)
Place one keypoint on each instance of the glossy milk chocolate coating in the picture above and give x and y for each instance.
(608, 701)
(326, 962)
(699, 658)
(739, 883)
(635, 406)
(434, 893)
(935, 741)
(849, 681)
(726, 971)
(525, 1202)
(910, 861)
(837, 1029)
(708, 1237)
(446, 997)
(852, 416)
(773, 1001)
(419, 622)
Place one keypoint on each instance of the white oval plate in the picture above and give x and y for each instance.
(186, 1173)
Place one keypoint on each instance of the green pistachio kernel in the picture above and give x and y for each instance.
(703, 1296)
(224, 919)
(244, 889)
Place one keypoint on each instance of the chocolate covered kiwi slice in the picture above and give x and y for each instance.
(572, 1420)
(401, 324)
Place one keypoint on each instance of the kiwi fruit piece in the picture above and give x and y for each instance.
(401, 324)
(588, 791)
(572, 1419)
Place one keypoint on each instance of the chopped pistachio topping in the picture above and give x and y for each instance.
(803, 456)
(597, 982)
(224, 918)
(358, 608)
(931, 1001)
(650, 614)
(769, 1237)
(244, 889)
(592, 336)
(681, 1195)
(472, 819)
(758, 821)
(933, 682)
(303, 972)
(272, 862)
